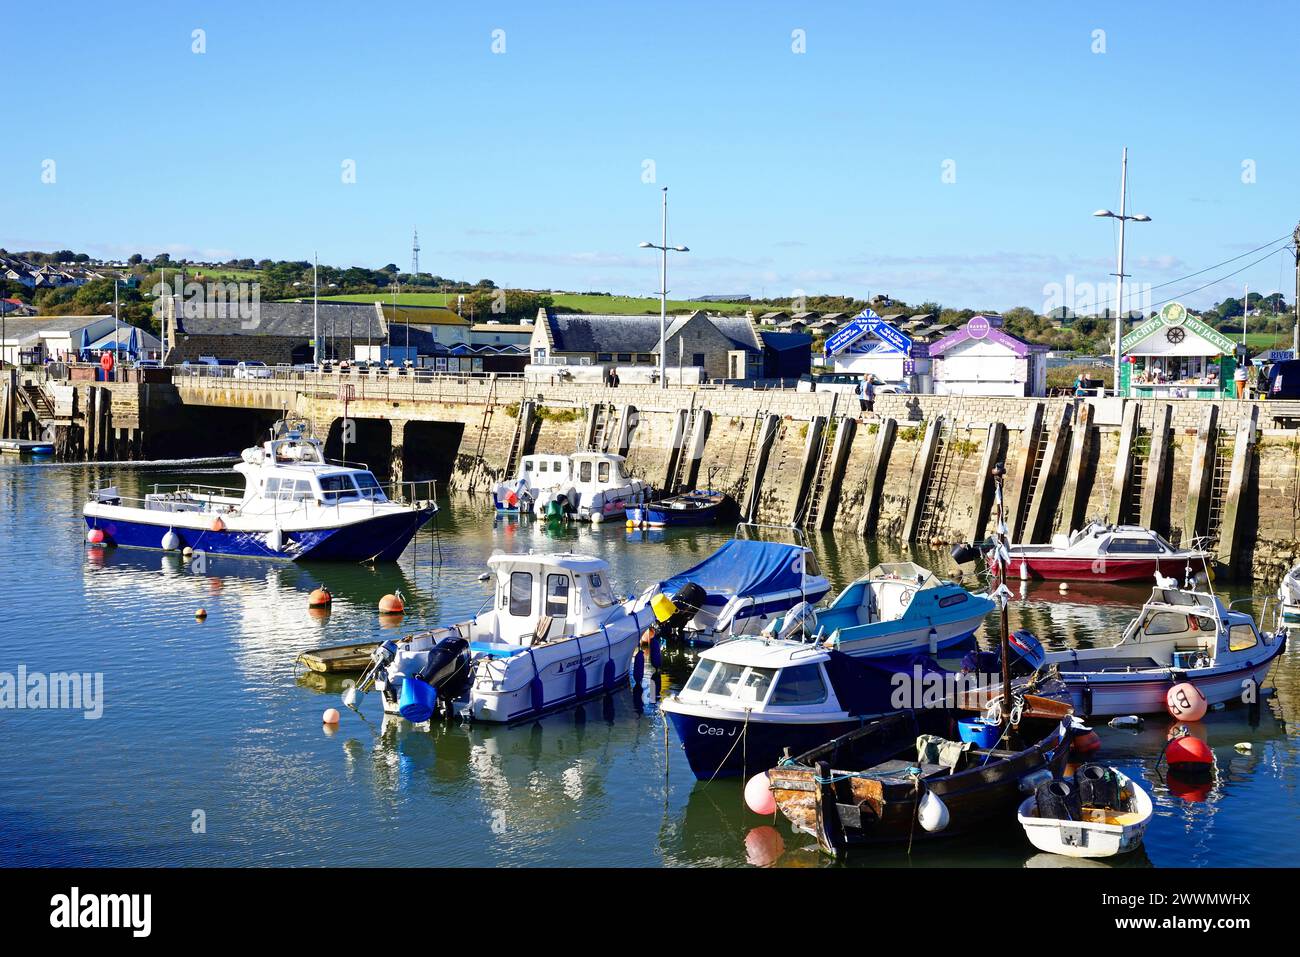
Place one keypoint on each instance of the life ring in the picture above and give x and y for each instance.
(106, 362)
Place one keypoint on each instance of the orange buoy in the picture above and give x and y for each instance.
(95, 536)
(392, 604)
(1188, 755)
(319, 598)
(331, 716)
(200, 614)
(1185, 702)
(1085, 742)
(218, 525)
(758, 794)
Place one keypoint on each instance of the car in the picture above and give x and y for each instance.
(252, 369)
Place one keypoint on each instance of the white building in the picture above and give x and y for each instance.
(981, 359)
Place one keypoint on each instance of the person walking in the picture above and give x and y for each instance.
(870, 393)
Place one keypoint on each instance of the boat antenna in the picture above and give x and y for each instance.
(1003, 593)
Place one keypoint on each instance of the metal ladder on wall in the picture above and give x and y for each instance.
(817, 494)
(484, 425)
(682, 468)
(1138, 462)
(1221, 477)
(1040, 460)
(751, 455)
(932, 507)
(605, 418)
(516, 441)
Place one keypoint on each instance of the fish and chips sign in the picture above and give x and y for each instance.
(1176, 322)
(868, 323)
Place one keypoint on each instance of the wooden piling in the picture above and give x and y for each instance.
(1038, 521)
(1070, 513)
(995, 446)
(875, 476)
(1155, 487)
(1201, 478)
(1243, 447)
(1030, 433)
(808, 468)
(1121, 480)
(770, 426)
(844, 433)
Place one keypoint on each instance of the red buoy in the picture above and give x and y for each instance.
(320, 598)
(392, 604)
(1085, 742)
(1188, 755)
(95, 536)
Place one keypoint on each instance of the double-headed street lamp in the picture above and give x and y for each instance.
(1119, 272)
(664, 249)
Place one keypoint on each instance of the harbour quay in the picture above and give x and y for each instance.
(914, 469)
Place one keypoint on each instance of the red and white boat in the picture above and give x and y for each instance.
(1104, 553)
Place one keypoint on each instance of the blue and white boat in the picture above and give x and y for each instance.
(751, 700)
(746, 584)
(700, 507)
(555, 635)
(897, 608)
(296, 505)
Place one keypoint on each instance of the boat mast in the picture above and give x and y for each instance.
(1003, 593)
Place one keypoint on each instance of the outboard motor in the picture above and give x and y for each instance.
(444, 675)
(1027, 656)
(967, 553)
(798, 620)
(675, 613)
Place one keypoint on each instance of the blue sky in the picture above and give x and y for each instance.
(819, 171)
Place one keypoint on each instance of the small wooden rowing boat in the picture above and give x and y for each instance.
(338, 659)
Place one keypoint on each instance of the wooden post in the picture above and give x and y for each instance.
(1038, 519)
(1024, 467)
(1120, 482)
(921, 479)
(1242, 451)
(877, 468)
(844, 433)
(1200, 481)
(994, 449)
(808, 469)
(1072, 504)
(1154, 486)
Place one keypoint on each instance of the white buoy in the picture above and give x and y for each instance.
(1063, 587)
(274, 540)
(1024, 571)
(933, 813)
(597, 518)
(171, 541)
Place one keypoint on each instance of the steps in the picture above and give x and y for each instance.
(1031, 483)
(1137, 475)
(522, 421)
(825, 455)
(1219, 481)
(682, 468)
(484, 428)
(603, 421)
(930, 523)
(751, 454)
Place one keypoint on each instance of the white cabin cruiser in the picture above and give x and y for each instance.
(1180, 636)
(591, 486)
(296, 505)
(1288, 594)
(1098, 552)
(554, 636)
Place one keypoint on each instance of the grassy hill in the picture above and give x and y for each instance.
(613, 305)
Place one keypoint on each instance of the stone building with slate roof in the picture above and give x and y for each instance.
(280, 333)
(725, 347)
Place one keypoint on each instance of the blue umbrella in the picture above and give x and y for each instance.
(84, 348)
(133, 344)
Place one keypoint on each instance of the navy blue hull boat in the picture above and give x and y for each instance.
(700, 507)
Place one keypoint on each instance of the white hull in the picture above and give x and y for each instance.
(1088, 838)
(1144, 692)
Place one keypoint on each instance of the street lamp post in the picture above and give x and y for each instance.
(664, 249)
(1119, 271)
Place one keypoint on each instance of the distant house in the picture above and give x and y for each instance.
(280, 333)
(773, 318)
(16, 307)
(823, 326)
(441, 323)
(981, 358)
(37, 338)
(501, 334)
(723, 347)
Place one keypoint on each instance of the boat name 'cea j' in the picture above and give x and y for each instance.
(296, 505)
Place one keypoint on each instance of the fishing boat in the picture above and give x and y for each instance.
(554, 636)
(296, 505)
(904, 777)
(1099, 812)
(751, 699)
(1288, 595)
(745, 584)
(339, 659)
(895, 609)
(537, 473)
(598, 488)
(1102, 552)
(26, 447)
(1181, 635)
(699, 507)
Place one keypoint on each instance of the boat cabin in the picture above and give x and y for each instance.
(597, 470)
(292, 468)
(756, 674)
(544, 470)
(1114, 540)
(540, 597)
(1186, 629)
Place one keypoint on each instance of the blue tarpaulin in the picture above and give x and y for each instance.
(744, 567)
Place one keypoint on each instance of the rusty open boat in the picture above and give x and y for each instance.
(878, 783)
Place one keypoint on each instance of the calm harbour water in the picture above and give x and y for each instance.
(212, 719)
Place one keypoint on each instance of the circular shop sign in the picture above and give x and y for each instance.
(977, 327)
(1174, 314)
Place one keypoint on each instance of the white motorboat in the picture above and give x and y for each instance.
(897, 608)
(296, 504)
(554, 636)
(1288, 594)
(1181, 635)
(591, 486)
(1095, 826)
(1099, 552)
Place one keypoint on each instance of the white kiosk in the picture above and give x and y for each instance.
(981, 358)
(868, 345)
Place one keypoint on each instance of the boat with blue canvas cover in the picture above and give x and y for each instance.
(296, 505)
(751, 700)
(746, 583)
(895, 609)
